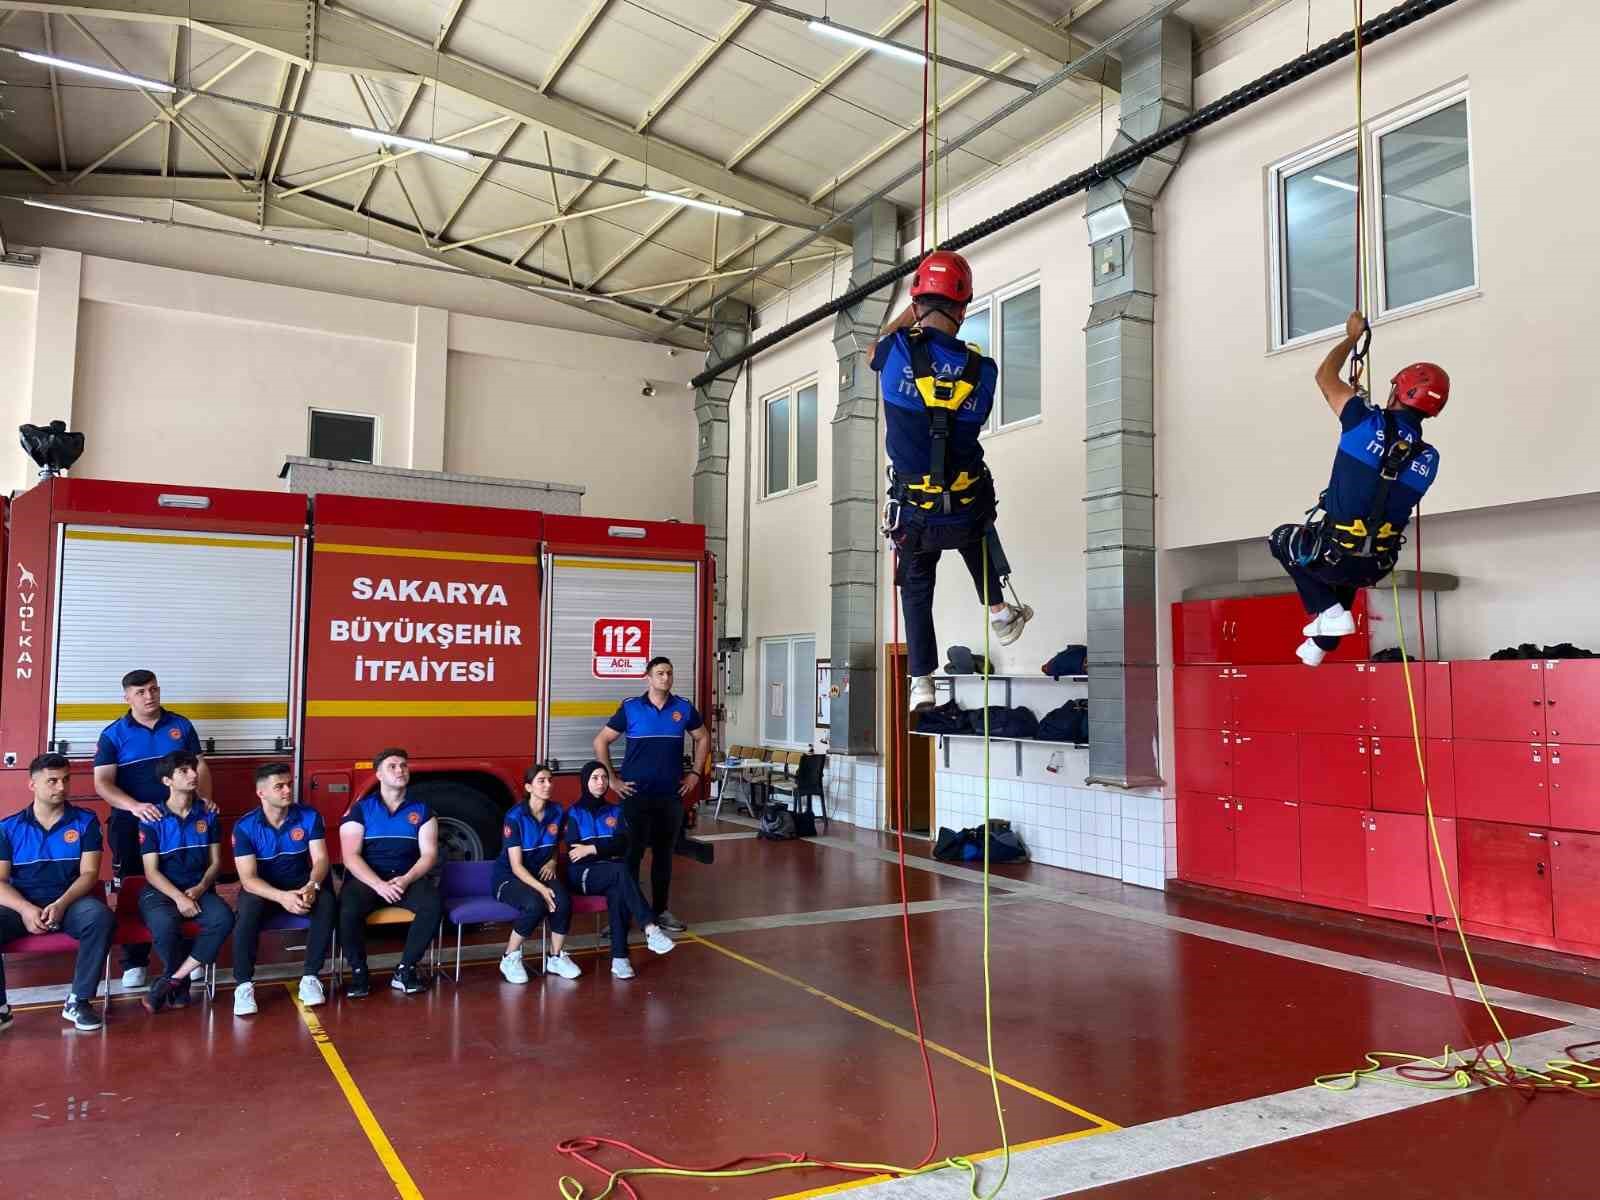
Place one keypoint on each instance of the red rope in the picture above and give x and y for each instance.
(922, 216)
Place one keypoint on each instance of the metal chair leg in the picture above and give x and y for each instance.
(458, 954)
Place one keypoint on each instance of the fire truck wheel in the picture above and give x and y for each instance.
(469, 821)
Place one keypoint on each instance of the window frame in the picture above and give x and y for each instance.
(313, 412)
(791, 392)
(806, 681)
(1426, 106)
(991, 303)
(1370, 138)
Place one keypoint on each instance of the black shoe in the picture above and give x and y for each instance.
(669, 922)
(360, 984)
(405, 980)
(160, 994)
(6, 1019)
(182, 993)
(81, 1013)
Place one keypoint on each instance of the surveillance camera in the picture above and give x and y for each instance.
(649, 389)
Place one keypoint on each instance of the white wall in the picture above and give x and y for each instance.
(192, 377)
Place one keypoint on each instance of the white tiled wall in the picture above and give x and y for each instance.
(853, 783)
(1131, 836)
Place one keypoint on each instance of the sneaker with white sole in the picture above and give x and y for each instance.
(1007, 625)
(1310, 653)
(670, 923)
(1334, 621)
(922, 695)
(82, 1014)
(658, 941)
(562, 965)
(135, 977)
(311, 993)
(512, 968)
(622, 968)
(244, 1000)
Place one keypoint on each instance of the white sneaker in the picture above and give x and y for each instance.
(562, 965)
(922, 697)
(244, 1000)
(658, 941)
(311, 993)
(1335, 621)
(1310, 653)
(622, 968)
(512, 968)
(135, 977)
(198, 975)
(1008, 625)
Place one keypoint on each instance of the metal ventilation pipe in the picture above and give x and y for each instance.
(711, 452)
(1157, 91)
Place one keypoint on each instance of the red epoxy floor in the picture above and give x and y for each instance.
(704, 1056)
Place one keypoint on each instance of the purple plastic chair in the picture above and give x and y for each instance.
(466, 899)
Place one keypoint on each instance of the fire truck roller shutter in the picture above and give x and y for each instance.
(212, 614)
(583, 591)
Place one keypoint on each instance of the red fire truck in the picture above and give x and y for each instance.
(322, 628)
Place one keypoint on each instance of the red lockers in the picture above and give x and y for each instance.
(1335, 768)
(1401, 862)
(1397, 784)
(1505, 877)
(1205, 837)
(1257, 629)
(1333, 853)
(1266, 843)
(1555, 700)
(1575, 886)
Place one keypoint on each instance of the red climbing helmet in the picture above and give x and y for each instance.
(944, 274)
(1423, 386)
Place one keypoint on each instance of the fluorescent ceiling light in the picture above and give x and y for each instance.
(367, 258)
(670, 198)
(395, 139)
(62, 64)
(865, 40)
(1338, 183)
(82, 212)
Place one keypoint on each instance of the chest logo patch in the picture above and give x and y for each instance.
(677, 717)
(199, 826)
(414, 818)
(70, 836)
(551, 829)
(297, 834)
(611, 822)
(175, 734)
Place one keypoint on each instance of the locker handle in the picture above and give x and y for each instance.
(1534, 833)
(1541, 870)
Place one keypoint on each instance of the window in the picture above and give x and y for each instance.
(1016, 350)
(1424, 246)
(343, 437)
(789, 691)
(791, 438)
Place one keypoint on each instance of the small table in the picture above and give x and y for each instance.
(750, 772)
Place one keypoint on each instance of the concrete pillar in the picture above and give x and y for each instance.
(711, 449)
(430, 356)
(857, 494)
(55, 336)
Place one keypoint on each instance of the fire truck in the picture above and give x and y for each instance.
(319, 629)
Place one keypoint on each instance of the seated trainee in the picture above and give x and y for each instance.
(597, 865)
(525, 877)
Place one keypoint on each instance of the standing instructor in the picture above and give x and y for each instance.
(652, 782)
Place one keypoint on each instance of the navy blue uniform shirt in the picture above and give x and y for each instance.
(535, 836)
(283, 855)
(184, 843)
(1354, 483)
(390, 843)
(44, 862)
(137, 752)
(905, 417)
(653, 760)
(599, 825)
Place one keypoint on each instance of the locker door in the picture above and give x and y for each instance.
(1574, 787)
(1388, 711)
(1338, 699)
(1265, 765)
(1505, 876)
(1205, 760)
(1273, 699)
(1333, 853)
(1575, 886)
(1401, 862)
(1572, 699)
(1335, 769)
(1498, 700)
(1205, 836)
(1266, 629)
(1199, 632)
(1266, 843)
(1502, 781)
(1202, 698)
(1397, 784)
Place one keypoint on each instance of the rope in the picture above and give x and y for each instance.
(988, 1003)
